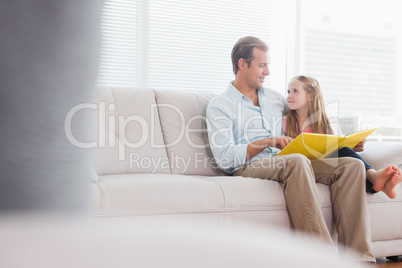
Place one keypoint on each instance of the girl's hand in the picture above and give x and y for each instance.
(360, 146)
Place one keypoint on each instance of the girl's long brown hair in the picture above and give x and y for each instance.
(316, 110)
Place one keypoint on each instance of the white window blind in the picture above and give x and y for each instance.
(118, 61)
(357, 70)
(356, 54)
(176, 44)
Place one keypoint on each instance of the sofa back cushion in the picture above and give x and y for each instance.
(183, 122)
(129, 133)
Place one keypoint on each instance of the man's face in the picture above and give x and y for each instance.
(258, 69)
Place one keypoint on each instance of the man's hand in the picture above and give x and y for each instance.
(280, 142)
(360, 146)
(256, 147)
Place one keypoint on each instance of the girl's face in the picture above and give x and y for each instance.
(297, 96)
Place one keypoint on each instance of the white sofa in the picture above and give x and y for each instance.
(153, 163)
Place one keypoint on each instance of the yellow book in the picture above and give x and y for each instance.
(317, 146)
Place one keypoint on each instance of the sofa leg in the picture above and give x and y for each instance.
(395, 258)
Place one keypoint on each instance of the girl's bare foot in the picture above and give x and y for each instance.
(390, 186)
(380, 177)
(396, 169)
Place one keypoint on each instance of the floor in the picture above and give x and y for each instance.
(384, 263)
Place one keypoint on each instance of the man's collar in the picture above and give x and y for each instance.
(236, 95)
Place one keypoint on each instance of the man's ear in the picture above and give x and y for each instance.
(242, 64)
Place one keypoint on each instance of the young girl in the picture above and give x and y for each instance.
(307, 114)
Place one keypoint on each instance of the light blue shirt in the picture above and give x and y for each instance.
(233, 122)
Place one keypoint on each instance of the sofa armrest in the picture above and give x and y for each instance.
(381, 154)
(93, 175)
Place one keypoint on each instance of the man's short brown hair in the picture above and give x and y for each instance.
(244, 49)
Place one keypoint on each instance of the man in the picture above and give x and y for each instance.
(244, 128)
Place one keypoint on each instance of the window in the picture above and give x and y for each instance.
(176, 44)
(353, 49)
(120, 52)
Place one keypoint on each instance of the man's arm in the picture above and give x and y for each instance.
(227, 153)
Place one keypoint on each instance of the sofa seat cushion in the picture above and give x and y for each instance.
(263, 200)
(142, 194)
(385, 215)
(258, 193)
